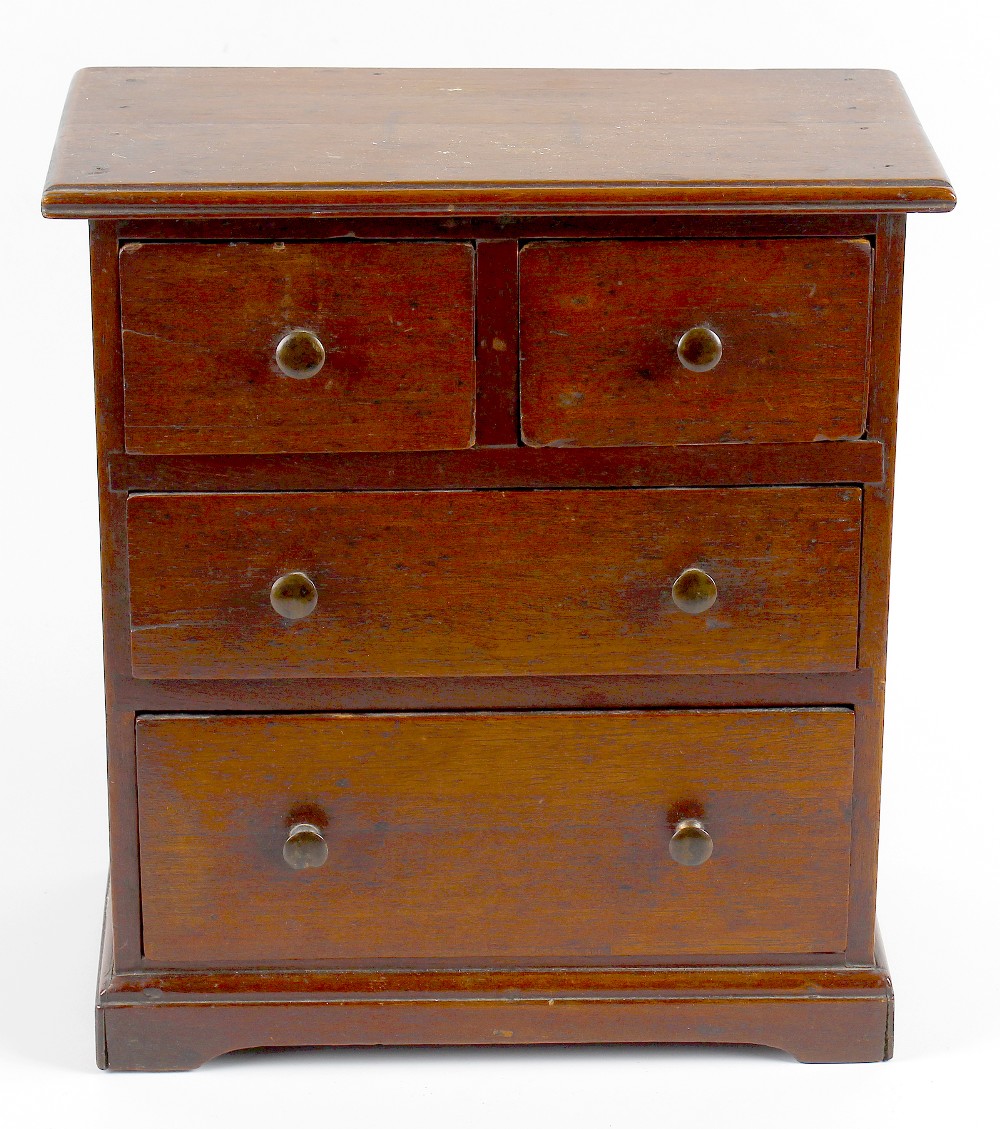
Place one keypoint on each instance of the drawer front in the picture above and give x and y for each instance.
(494, 836)
(202, 324)
(495, 583)
(601, 324)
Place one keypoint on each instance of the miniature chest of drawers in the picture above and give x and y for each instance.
(495, 479)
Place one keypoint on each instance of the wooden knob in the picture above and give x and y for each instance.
(300, 354)
(700, 349)
(694, 591)
(293, 596)
(305, 847)
(691, 844)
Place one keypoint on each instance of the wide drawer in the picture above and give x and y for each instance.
(602, 326)
(543, 837)
(494, 583)
(207, 327)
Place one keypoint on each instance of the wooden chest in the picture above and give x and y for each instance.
(495, 479)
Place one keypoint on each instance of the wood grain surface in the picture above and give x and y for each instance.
(494, 583)
(179, 1035)
(510, 468)
(206, 141)
(600, 323)
(499, 868)
(532, 692)
(201, 322)
(587, 224)
(497, 355)
(125, 918)
(493, 836)
(874, 601)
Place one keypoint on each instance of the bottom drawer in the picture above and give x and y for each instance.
(472, 839)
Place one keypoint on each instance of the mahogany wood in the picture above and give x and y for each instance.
(497, 335)
(200, 323)
(508, 225)
(206, 141)
(408, 583)
(688, 464)
(108, 389)
(874, 603)
(158, 1036)
(606, 691)
(175, 1021)
(808, 972)
(600, 324)
(797, 159)
(475, 838)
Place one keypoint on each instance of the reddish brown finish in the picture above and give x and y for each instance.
(506, 226)
(494, 837)
(874, 603)
(603, 691)
(692, 464)
(122, 809)
(811, 972)
(601, 321)
(497, 331)
(183, 142)
(201, 322)
(177, 1020)
(805, 138)
(408, 583)
(167, 1036)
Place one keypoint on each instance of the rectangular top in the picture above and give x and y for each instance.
(182, 142)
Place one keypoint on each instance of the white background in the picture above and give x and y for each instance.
(938, 895)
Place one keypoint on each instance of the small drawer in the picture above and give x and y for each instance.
(446, 583)
(258, 348)
(694, 341)
(550, 837)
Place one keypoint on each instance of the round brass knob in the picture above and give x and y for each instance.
(694, 591)
(690, 844)
(699, 349)
(300, 354)
(293, 596)
(305, 847)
